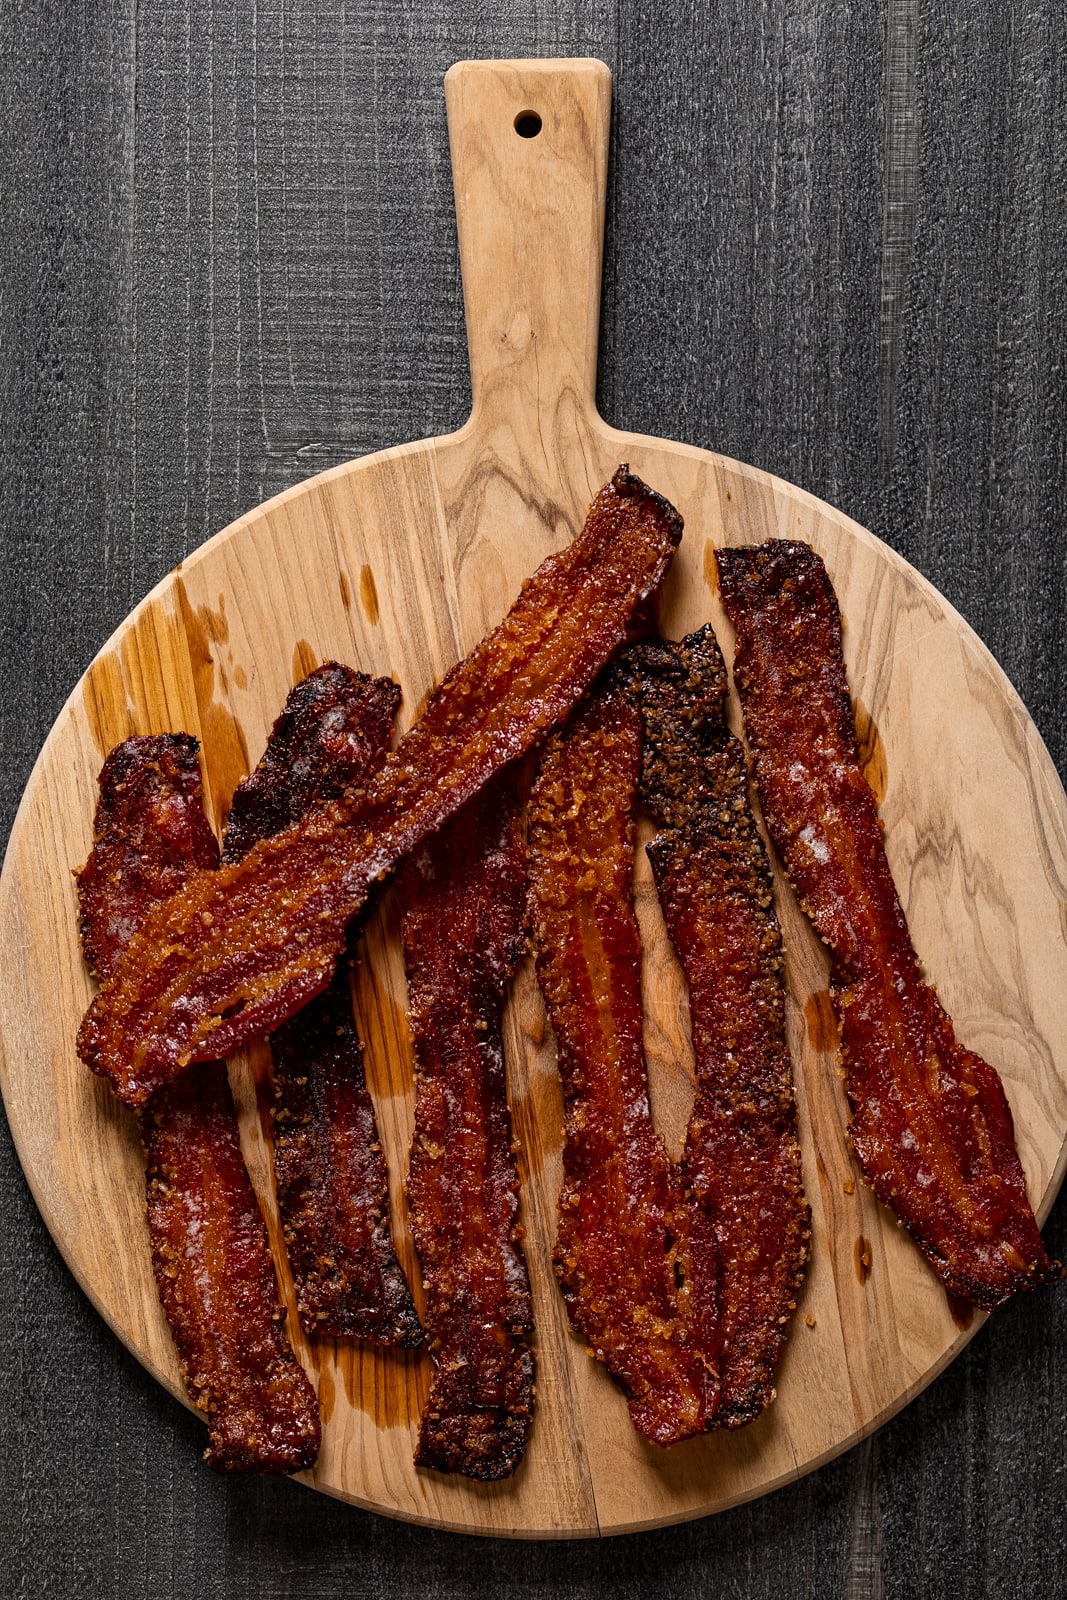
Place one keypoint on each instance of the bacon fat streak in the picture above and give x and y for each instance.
(210, 1254)
(329, 1168)
(464, 921)
(235, 953)
(742, 1164)
(636, 1264)
(931, 1126)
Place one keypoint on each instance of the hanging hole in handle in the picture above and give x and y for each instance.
(527, 124)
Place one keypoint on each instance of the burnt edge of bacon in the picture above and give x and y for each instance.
(329, 1167)
(464, 897)
(238, 1368)
(742, 1161)
(233, 954)
(942, 1158)
(635, 1262)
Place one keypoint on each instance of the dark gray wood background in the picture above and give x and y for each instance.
(836, 248)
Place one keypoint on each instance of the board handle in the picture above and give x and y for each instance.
(529, 143)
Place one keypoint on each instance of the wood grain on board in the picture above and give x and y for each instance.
(398, 563)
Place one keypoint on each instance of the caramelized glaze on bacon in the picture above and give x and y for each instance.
(635, 1262)
(931, 1126)
(330, 1172)
(210, 1254)
(235, 953)
(742, 1163)
(464, 897)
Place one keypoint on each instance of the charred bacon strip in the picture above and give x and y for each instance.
(464, 896)
(635, 1262)
(333, 1187)
(210, 1254)
(931, 1125)
(235, 953)
(742, 1163)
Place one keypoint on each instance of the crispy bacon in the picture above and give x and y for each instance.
(636, 1264)
(235, 953)
(742, 1163)
(931, 1125)
(210, 1254)
(150, 835)
(330, 1172)
(464, 914)
(216, 1281)
(332, 1180)
(334, 731)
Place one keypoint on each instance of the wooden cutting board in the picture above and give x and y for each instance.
(399, 563)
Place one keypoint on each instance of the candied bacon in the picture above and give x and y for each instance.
(332, 1180)
(931, 1126)
(333, 732)
(636, 1263)
(742, 1163)
(235, 953)
(150, 835)
(329, 1169)
(464, 895)
(210, 1254)
(216, 1281)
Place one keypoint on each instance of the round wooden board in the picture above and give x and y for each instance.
(398, 564)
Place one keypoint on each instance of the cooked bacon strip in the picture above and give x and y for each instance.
(150, 835)
(237, 952)
(330, 1172)
(635, 1262)
(742, 1162)
(332, 1180)
(464, 913)
(210, 1254)
(216, 1281)
(931, 1126)
(333, 732)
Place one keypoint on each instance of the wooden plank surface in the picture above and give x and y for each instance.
(232, 289)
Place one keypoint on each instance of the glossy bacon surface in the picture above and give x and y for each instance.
(210, 1254)
(637, 1265)
(931, 1126)
(464, 895)
(742, 1164)
(236, 952)
(329, 1168)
